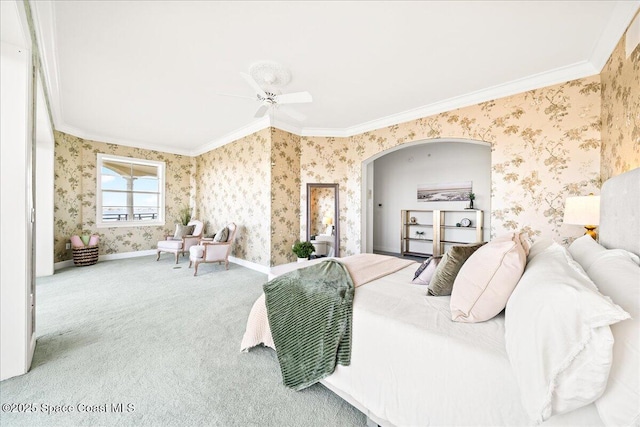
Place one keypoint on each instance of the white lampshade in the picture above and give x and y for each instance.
(582, 210)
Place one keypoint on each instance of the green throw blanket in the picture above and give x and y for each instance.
(310, 313)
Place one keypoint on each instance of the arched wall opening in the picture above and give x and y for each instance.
(390, 179)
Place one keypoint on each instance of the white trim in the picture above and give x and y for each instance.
(109, 257)
(389, 249)
(92, 136)
(287, 127)
(632, 39)
(122, 255)
(612, 33)
(620, 18)
(101, 157)
(43, 14)
(559, 75)
(251, 265)
(237, 134)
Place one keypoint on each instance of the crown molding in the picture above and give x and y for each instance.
(107, 139)
(286, 126)
(44, 19)
(247, 130)
(43, 15)
(536, 81)
(621, 17)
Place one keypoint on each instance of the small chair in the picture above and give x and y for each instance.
(182, 245)
(211, 251)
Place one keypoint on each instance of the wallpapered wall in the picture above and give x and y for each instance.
(233, 186)
(285, 195)
(255, 183)
(620, 112)
(75, 195)
(545, 147)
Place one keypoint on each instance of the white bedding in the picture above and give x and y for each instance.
(412, 366)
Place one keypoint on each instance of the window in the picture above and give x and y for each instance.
(130, 192)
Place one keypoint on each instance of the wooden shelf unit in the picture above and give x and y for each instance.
(440, 225)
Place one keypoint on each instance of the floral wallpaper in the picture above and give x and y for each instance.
(545, 147)
(620, 112)
(285, 195)
(233, 185)
(547, 144)
(75, 195)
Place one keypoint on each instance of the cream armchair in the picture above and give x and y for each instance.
(212, 251)
(181, 245)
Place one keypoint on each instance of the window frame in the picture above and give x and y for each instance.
(160, 221)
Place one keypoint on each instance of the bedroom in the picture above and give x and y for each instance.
(528, 192)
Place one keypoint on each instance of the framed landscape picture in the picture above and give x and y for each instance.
(447, 192)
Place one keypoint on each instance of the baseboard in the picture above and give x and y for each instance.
(252, 265)
(108, 257)
(391, 249)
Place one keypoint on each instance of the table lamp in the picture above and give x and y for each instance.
(328, 221)
(583, 210)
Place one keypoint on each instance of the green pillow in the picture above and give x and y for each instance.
(183, 230)
(85, 239)
(442, 282)
(222, 235)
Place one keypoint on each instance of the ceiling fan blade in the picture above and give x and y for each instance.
(254, 85)
(296, 115)
(253, 98)
(261, 111)
(294, 98)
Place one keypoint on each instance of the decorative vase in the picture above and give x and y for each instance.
(470, 204)
(302, 259)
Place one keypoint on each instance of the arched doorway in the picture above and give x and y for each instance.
(419, 162)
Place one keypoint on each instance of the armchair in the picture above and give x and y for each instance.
(211, 251)
(182, 245)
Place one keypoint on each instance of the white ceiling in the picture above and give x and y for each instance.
(147, 73)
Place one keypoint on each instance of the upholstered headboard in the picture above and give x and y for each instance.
(620, 212)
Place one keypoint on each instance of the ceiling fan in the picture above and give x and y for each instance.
(273, 75)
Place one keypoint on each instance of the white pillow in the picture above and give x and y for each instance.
(618, 276)
(485, 281)
(538, 246)
(557, 335)
(585, 251)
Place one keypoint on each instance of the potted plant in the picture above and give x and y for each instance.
(184, 216)
(303, 250)
(472, 197)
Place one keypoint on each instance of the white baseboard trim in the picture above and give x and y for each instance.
(391, 249)
(252, 265)
(108, 257)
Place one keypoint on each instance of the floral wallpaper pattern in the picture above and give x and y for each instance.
(233, 185)
(547, 144)
(620, 112)
(75, 195)
(285, 195)
(545, 147)
(254, 182)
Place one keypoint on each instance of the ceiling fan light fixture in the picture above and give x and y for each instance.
(269, 73)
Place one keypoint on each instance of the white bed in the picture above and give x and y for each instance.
(412, 366)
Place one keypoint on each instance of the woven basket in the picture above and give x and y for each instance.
(85, 256)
